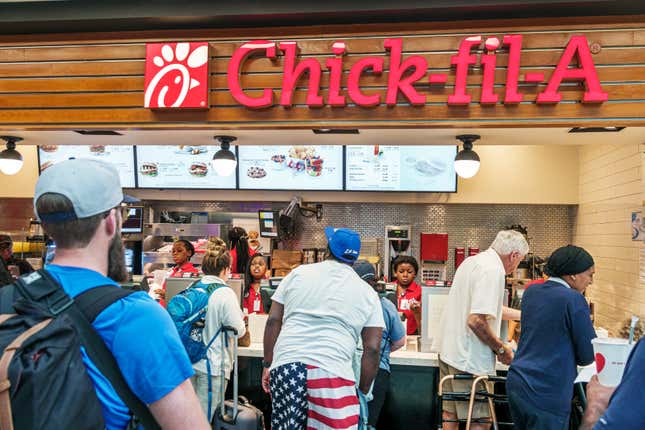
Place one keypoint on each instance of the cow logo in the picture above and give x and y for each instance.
(176, 75)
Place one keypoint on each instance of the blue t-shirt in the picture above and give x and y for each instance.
(393, 331)
(556, 336)
(625, 409)
(142, 338)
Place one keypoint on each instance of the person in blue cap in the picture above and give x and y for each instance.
(319, 313)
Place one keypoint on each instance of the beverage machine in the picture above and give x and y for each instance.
(397, 242)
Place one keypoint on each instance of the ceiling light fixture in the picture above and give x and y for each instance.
(596, 129)
(10, 159)
(335, 131)
(224, 161)
(467, 160)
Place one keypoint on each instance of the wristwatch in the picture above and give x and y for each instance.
(500, 351)
(266, 364)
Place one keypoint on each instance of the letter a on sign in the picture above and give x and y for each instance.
(176, 75)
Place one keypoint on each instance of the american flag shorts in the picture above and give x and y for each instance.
(307, 397)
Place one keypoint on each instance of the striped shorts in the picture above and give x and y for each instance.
(307, 397)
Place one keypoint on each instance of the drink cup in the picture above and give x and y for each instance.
(611, 356)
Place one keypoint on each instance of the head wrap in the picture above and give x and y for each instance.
(568, 260)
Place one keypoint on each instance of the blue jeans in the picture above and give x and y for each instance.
(528, 417)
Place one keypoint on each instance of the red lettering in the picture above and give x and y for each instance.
(488, 62)
(293, 72)
(514, 43)
(586, 72)
(353, 82)
(233, 75)
(396, 81)
(461, 61)
(335, 66)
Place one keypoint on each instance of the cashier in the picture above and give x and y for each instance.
(255, 273)
(409, 292)
(182, 252)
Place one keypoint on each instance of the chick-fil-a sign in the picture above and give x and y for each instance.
(406, 74)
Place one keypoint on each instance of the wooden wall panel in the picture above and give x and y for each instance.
(100, 83)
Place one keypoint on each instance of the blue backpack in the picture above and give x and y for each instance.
(188, 311)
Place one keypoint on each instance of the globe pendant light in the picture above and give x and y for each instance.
(10, 159)
(467, 160)
(224, 161)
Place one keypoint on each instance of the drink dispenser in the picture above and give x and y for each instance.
(397, 242)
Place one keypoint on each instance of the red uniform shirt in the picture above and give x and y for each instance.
(253, 302)
(186, 270)
(412, 292)
(233, 253)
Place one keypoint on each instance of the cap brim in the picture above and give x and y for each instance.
(130, 199)
(329, 232)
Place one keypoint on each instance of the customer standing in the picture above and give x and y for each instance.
(393, 338)
(223, 310)
(239, 249)
(556, 336)
(78, 203)
(6, 246)
(468, 340)
(318, 314)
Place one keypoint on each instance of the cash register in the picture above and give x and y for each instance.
(267, 291)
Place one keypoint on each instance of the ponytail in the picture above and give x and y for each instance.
(239, 241)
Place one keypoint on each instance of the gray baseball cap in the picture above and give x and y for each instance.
(92, 186)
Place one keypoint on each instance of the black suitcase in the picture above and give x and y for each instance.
(238, 413)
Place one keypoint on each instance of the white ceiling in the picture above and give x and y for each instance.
(489, 136)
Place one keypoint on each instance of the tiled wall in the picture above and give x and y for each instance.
(611, 188)
(469, 225)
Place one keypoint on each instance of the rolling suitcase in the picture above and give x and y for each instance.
(238, 413)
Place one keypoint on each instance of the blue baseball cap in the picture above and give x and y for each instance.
(344, 243)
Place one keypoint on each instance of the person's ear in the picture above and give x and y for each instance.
(111, 223)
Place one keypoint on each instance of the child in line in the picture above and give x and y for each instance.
(408, 292)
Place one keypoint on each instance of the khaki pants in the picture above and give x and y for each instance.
(480, 410)
(200, 383)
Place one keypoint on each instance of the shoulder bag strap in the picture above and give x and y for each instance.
(45, 289)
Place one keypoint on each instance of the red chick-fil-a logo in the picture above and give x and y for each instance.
(575, 64)
(176, 75)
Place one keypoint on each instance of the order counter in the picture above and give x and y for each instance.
(411, 401)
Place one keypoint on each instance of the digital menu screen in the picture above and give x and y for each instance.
(182, 166)
(291, 167)
(401, 168)
(122, 157)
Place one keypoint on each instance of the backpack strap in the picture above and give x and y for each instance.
(44, 289)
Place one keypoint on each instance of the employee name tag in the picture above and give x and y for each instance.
(256, 305)
(404, 305)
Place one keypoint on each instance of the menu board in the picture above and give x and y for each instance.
(122, 157)
(401, 168)
(180, 166)
(291, 167)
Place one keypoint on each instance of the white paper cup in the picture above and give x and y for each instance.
(611, 356)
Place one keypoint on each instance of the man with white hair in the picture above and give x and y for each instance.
(469, 341)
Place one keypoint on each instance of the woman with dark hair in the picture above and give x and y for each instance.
(255, 273)
(239, 249)
(556, 336)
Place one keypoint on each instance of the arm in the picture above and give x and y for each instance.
(597, 402)
(511, 314)
(271, 333)
(232, 314)
(398, 344)
(371, 337)
(180, 409)
(582, 332)
(479, 325)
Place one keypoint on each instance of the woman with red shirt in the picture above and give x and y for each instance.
(182, 251)
(239, 249)
(255, 273)
(408, 292)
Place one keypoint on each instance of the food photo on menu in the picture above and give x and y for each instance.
(276, 167)
(121, 156)
(183, 166)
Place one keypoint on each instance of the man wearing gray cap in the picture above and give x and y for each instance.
(78, 203)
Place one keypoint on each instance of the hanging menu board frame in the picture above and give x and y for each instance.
(210, 153)
(287, 160)
(134, 160)
(346, 172)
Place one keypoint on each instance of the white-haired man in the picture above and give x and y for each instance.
(469, 341)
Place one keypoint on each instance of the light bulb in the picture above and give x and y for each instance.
(224, 166)
(466, 168)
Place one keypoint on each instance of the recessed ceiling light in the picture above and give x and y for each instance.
(98, 132)
(335, 131)
(595, 129)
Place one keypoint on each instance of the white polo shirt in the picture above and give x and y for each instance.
(326, 306)
(477, 288)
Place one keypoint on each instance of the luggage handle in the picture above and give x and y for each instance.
(225, 417)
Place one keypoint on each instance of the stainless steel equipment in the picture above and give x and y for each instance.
(397, 242)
